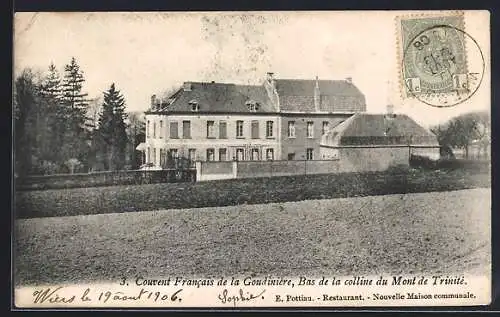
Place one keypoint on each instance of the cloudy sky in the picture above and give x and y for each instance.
(147, 53)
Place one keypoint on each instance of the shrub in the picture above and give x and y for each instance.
(423, 162)
(398, 169)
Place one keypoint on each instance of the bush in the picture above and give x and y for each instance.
(422, 162)
(470, 165)
(398, 169)
(237, 191)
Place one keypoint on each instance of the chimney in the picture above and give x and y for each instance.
(270, 76)
(186, 86)
(390, 109)
(270, 86)
(389, 112)
(317, 96)
(153, 100)
(348, 80)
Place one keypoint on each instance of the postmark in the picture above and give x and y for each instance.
(442, 65)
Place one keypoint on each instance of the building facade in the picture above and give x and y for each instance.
(278, 120)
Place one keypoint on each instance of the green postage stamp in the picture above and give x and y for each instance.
(435, 59)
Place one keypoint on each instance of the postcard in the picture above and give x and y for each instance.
(233, 160)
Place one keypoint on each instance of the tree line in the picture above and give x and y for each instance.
(58, 129)
(464, 131)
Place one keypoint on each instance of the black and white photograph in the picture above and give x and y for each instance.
(251, 159)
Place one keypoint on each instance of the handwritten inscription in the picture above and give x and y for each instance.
(55, 296)
(240, 296)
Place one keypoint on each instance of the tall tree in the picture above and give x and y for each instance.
(51, 86)
(26, 103)
(111, 136)
(52, 125)
(76, 137)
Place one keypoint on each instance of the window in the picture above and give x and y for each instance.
(148, 134)
(161, 130)
(186, 129)
(210, 155)
(194, 105)
(154, 156)
(291, 129)
(252, 105)
(324, 129)
(192, 154)
(254, 155)
(291, 156)
(222, 130)
(239, 154)
(310, 129)
(255, 129)
(269, 129)
(309, 154)
(173, 153)
(210, 129)
(270, 154)
(174, 130)
(239, 129)
(148, 156)
(163, 157)
(154, 130)
(222, 154)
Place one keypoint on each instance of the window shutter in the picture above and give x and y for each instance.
(222, 130)
(186, 129)
(255, 129)
(174, 130)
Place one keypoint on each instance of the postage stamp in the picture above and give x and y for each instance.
(435, 65)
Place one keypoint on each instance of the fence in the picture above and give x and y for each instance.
(104, 179)
(247, 169)
(349, 159)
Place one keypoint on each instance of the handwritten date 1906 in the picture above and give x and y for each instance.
(57, 296)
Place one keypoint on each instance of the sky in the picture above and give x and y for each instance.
(152, 53)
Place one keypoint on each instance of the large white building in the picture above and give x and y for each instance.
(278, 120)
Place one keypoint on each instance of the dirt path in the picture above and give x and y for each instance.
(413, 233)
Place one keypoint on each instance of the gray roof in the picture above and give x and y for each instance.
(295, 96)
(219, 97)
(368, 129)
(305, 87)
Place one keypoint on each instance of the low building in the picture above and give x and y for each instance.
(374, 142)
(278, 120)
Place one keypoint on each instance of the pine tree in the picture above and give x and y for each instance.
(74, 108)
(51, 87)
(52, 127)
(111, 136)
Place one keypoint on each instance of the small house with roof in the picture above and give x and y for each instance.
(374, 142)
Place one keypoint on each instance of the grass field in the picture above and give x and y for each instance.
(413, 233)
(114, 199)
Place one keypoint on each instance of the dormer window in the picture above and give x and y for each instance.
(252, 105)
(194, 105)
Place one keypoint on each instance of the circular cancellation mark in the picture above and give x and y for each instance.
(442, 66)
